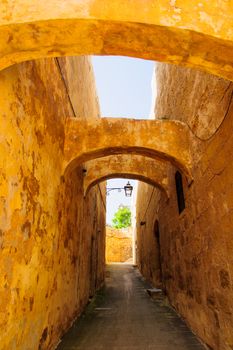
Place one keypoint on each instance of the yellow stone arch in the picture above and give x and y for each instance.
(158, 139)
(148, 170)
(193, 33)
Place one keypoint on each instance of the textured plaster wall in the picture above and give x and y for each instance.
(118, 245)
(78, 76)
(196, 246)
(48, 248)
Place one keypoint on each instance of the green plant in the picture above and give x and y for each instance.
(122, 218)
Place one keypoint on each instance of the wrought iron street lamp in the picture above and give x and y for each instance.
(127, 188)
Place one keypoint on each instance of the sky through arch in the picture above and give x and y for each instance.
(124, 90)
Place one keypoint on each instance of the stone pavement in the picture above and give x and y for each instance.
(123, 316)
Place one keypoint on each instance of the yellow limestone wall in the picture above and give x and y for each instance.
(118, 245)
(48, 261)
(196, 246)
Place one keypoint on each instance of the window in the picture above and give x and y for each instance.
(179, 192)
(158, 249)
(157, 233)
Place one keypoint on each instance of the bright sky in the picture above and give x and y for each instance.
(124, 90)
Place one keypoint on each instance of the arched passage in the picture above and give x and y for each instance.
(126, 166)
(167, 140)
(126, 176)
(192, 34)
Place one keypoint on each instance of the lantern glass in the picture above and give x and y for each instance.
(128, 189)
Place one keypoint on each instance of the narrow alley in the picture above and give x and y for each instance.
(123, 316)
(65, 133)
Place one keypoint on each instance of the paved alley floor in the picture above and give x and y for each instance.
(123, 316)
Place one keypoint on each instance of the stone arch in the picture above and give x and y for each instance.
(158, 139)
(147, 170)
(193, 34)
(129, 176)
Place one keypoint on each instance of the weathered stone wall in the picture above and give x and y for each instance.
(48, 263)
(196, 246)
(147, 248)
(118, 245)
